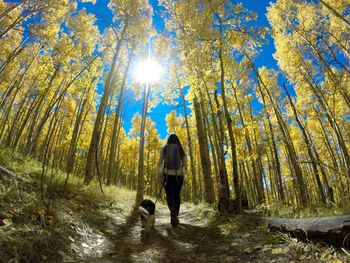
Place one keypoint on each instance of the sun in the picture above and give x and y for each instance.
(148, 70)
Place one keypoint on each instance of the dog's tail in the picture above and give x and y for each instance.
(143, 211)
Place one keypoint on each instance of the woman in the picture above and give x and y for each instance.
(172, 162)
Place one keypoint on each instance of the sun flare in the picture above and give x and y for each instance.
(148, 70)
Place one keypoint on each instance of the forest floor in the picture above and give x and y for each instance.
(86, 226)
(200, 237)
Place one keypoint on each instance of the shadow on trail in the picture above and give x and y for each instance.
(123, 238)
(193, 234)
(116, 236)
(188, 242)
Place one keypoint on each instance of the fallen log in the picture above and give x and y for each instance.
(7, 172)
(334, 229)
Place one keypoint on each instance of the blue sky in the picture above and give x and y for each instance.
(158, 113)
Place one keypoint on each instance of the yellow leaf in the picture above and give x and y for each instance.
(277, 250)
(50, 220)
(62, 253)
(41, 211)
(325, 256)
(85, 245)
(7, 222)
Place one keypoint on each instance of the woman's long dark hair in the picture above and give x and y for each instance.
(174, 139)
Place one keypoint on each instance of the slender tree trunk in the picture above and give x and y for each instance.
(117, 172)
(10, 87)
(288, 142)
(204, 154)
(99, 159)
(141, 179)
(16, 120)
(7, 115)
(16, 22)
(224, 195)
(213, 148)
(17, 84)
(76, 130)
(56, 99)
(329, 189)
(189, 141)
(335, 12)
(18, 50)
(337, 84)
(325, 107)
(12, 8)
(236, 184)
(257, 176)
(11, 130)
(148, 164)
(100, 113)
(223, 191)
(222, 172)
(277, 163)
(48, 111)
(273, 181)
(34, 119)
(326, 141)
(309, 149)
(111, 160)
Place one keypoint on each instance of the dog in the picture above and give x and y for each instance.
(147, 209)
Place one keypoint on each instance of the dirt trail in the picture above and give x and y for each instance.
(194, 240)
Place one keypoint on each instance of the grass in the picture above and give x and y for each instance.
(312, 210)
(30, 233)
(308, 252)
(27, 167)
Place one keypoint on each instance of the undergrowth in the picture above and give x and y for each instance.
(312, 210)
(29, 232)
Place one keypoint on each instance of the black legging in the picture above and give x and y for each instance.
(173, 188)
